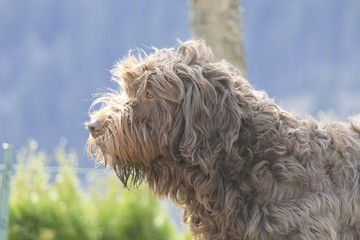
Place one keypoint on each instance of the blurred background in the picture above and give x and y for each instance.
(55, 54)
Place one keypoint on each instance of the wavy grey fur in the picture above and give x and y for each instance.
(240, 166)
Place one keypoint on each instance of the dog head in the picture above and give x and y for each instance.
(182, 106)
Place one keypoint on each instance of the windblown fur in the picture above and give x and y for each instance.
(241, 167)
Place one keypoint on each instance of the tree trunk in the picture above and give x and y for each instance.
(218, 22)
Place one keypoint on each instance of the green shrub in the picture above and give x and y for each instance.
(46, 204)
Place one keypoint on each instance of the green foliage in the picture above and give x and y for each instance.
(46, 207)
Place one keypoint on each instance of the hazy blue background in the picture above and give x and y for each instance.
(55, 54)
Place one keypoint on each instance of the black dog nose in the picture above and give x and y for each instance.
(94, 127)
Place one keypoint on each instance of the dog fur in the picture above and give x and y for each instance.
(241, 167)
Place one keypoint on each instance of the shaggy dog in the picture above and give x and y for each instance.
(240, 166)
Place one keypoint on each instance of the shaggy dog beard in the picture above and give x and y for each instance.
(122, 144)
(127, 137)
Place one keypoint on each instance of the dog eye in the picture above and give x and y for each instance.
(149, 95)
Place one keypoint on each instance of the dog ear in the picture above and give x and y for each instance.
(212, 116)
